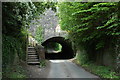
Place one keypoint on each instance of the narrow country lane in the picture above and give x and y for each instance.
(60, 69)
(67, 69)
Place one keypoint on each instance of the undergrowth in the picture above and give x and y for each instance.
(11, 47)
(15, 72)
(42, 63)
(101, 71)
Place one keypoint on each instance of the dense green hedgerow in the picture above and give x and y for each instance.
(91, 23)
(11, 47)
(93, 26)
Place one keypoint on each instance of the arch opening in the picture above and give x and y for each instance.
(53, 47)
(58, 48)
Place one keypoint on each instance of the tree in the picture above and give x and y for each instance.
(90, 23)
(39, 34)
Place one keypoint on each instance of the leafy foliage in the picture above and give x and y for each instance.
(39, 34)
(16, 18)
(53, 46)
(18, 15)
(94, 26)
(43, 63)
(101, 71)
(90, 23)
(10, 48)
(16, 71)
(82, 58)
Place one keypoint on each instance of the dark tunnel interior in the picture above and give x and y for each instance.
(66, 51)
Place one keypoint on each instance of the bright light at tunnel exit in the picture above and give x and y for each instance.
(58, 61)
(53, 47)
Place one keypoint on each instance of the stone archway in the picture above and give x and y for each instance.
(66, 52)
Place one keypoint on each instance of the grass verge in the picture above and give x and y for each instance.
(15, 71)
(43, 63)
(101, 71)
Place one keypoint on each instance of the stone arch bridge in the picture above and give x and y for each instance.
(59, 37)
(53, 33)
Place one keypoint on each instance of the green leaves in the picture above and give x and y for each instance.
(10, 48)
(89, 22)
(39, 34)
(94, 27)
(102, 71)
